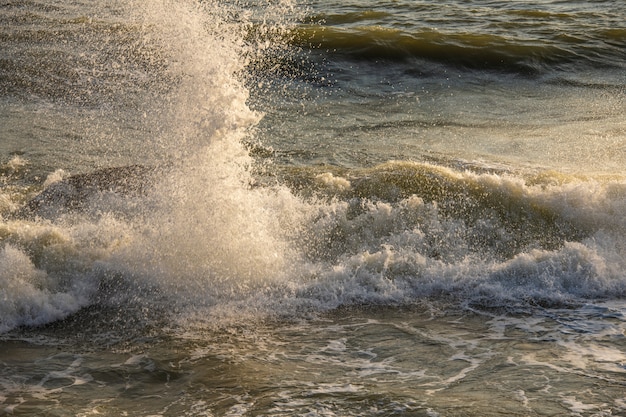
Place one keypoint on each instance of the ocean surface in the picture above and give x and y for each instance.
(312, 208)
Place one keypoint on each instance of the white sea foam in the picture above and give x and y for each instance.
(217, 245)
(29, 295)
(48, 271)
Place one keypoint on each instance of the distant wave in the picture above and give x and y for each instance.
(469, 50)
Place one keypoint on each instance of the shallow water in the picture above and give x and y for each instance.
(352, 362)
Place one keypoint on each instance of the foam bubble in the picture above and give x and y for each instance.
(332, 182)
(54, 177)
(15, 164)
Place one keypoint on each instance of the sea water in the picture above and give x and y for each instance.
(280, 208)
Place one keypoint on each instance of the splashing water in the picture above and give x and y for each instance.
(201, 229)
(205, 230)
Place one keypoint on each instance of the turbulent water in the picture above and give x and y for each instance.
(333, 208)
